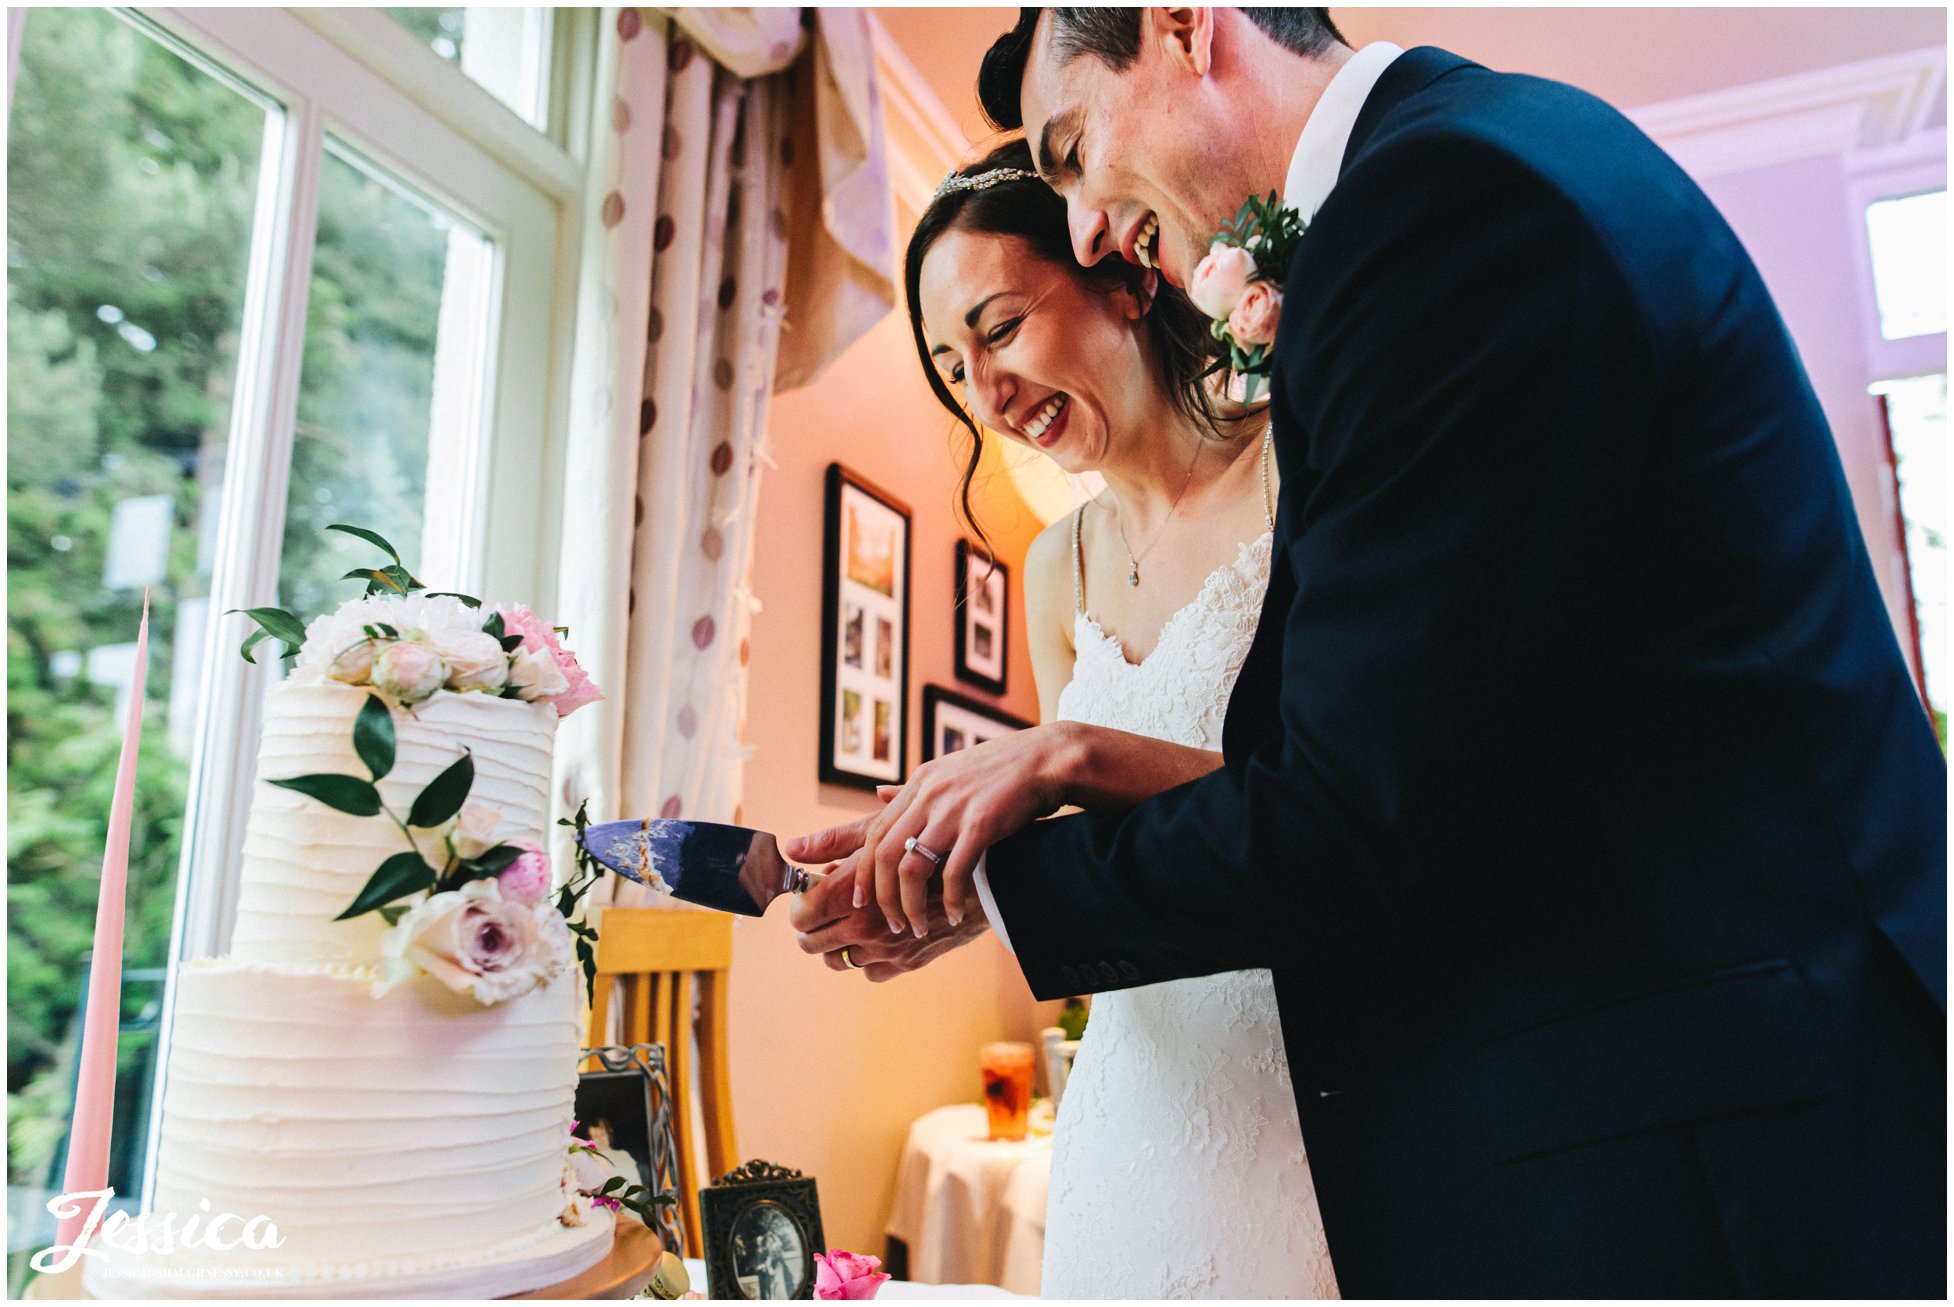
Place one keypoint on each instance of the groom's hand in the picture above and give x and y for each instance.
(826, 922)
(836, 842)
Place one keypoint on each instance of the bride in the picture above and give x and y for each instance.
(1177, 1164)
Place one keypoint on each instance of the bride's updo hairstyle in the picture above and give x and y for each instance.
(1178, 340)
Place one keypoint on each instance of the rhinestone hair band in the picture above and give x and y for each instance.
(957, 181)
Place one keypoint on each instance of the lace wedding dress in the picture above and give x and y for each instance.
(1177, 1165)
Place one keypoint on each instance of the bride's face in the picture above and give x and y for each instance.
(1042, 357)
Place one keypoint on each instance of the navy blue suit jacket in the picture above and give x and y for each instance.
(1576, 790)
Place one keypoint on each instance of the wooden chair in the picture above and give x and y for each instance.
(672, 966)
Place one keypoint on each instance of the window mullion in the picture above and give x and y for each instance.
(251, 516)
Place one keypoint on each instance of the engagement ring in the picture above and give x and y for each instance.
(916, 846)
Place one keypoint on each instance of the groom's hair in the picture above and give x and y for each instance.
(1112, 35)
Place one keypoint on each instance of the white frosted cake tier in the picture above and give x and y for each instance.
(395, 1140)
(304, 862)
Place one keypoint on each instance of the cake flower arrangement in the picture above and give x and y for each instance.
(469, 909)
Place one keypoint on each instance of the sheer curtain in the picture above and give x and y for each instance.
(738, 198)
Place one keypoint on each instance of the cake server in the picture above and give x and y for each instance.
(730, 868)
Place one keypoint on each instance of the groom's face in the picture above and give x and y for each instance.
(1128, 149)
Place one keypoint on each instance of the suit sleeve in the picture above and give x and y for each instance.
(1459, 363)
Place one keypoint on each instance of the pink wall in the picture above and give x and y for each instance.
(829, 1070)
(1795, 221)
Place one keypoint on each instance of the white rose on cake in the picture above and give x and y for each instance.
(535, 675)
(476, 660)
(475, 942)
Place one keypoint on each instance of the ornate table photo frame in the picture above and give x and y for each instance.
(608, 1101)
(864, 634)
(983, 619)
(762, 1230)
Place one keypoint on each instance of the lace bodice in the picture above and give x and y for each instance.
(1178, 1168)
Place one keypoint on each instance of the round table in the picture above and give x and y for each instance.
(970, 1209)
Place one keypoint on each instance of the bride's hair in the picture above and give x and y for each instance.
(1178, 338)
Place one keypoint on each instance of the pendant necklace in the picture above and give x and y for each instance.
(1133, 577)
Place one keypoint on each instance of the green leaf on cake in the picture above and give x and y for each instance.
(444, 794)
(371, 537)
(373, 736)
(511, 643)
(496, 859)
(346, 793)
(493, 626)
(392, 913)
(468, 601)
(273, 624)
(403, 873)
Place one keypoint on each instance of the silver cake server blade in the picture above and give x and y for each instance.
(730, 868)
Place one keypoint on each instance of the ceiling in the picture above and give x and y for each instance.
(1629, 57)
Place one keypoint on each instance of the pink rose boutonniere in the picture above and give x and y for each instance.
(1239, 285)
(846, 1277)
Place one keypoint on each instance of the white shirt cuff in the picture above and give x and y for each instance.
(983, 878)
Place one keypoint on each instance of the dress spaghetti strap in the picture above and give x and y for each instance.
(1078, 567)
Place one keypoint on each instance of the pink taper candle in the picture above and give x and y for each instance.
(94, 1119)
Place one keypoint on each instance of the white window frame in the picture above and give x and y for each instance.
(1912, 167)
(358, 76)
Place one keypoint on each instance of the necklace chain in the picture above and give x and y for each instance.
(1133, 577)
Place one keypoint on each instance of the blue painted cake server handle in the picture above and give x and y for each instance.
(730, 868)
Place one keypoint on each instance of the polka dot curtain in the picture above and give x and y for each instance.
(699, 199)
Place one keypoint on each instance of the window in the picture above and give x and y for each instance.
(1916, 420)
(262, 277)
(1907, 238)
(504, 51)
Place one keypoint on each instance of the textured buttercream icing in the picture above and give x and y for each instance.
(305, 862)
(408, 1144)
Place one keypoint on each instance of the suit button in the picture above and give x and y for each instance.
(1069, 977)
(1128, 972)
(1108, 976)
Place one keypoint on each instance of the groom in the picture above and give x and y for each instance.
(1576, 792)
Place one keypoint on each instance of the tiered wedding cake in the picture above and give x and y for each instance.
(393, 1091)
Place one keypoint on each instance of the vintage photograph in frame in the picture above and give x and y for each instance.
(624, 1107)
(953, 721)
(983, 619)
(762, 1229)
(864, 634)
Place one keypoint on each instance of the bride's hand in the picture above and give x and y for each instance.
(957, 806)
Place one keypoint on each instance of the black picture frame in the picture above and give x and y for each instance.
(946, 711)
(865, 588)
(628, 1095)
(983, 619)
(762, 1228)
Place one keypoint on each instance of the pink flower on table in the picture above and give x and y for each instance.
(539, 636)
(1254, 320)
(846, 1277)
(1220, 278)
(527, 879)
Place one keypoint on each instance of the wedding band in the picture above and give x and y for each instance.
(915, 845)
(847, 956)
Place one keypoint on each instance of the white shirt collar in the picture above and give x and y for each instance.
(1319, 152)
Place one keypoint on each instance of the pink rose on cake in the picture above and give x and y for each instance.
(527, 879)
(539, 640)
(408, 670)
(475, 941)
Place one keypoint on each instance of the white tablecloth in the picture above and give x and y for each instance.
(893, 1289)
(972, 1211)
